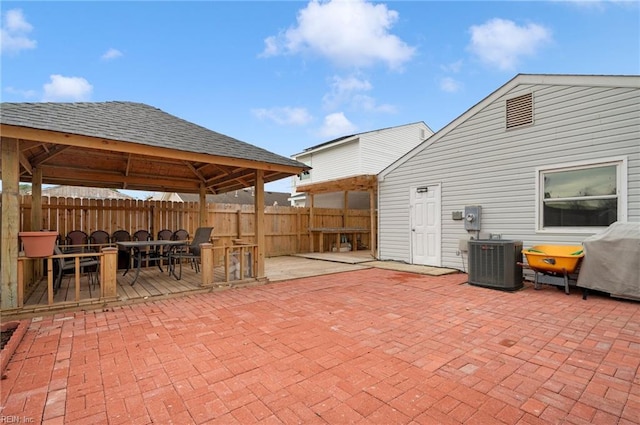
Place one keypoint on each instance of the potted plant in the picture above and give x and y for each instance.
(38, 244)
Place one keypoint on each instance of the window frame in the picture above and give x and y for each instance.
(621, 184)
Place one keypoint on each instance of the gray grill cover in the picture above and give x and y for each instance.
(611, 261)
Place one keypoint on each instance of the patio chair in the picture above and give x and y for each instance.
(92, 264)
(203, 235)
(99, 238)
(124, 256)
(180, 235)
(76, 241)
(147, 254)
(164, 235)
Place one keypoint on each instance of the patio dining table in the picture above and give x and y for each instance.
(138, 247)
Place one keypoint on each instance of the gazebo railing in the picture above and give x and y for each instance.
(223, 266)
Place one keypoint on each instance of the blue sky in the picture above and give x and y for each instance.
(289, 75)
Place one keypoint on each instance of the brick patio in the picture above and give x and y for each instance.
(370, 346)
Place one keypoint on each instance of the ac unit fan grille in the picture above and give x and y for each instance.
(494, 264)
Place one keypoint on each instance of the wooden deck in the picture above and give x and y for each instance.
(150, 283)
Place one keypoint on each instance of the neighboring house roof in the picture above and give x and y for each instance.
(345, 139)
(548, 79)
(242, 197)
(84, 192)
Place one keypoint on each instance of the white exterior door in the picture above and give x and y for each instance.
(425, 225)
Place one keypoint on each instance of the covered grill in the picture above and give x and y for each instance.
(612, 261)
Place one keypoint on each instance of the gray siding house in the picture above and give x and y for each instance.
(547, 158)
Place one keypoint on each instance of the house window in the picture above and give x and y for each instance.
(582, 196)
(519, 111)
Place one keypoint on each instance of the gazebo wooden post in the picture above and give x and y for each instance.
(10, 223)
(311, 221)
(259, 223)
(36, 217)
(203, 206)
(372, 217)
(345, 209)
(108, 273)
(206, 253)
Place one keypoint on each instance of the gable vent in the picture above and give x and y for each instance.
(520, 111)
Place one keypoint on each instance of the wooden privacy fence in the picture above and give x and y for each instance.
(286, 228)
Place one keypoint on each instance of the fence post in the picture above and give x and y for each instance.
(108, 272)
(20, 282)
(206, 257)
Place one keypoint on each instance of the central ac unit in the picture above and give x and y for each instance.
(494, 264)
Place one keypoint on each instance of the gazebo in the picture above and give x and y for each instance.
(121, 145)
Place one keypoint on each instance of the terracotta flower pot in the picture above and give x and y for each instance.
(38, 244)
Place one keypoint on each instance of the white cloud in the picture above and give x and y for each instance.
(14, 32)
(343, 89)
(285, 115)
(111, 54)
(348, 91)
(351, 33)
(27, 94)
(454, 67)
(501, 43)
(62, 88)
(594, 4)
(367, 103)
(336, 125)
(450, 85)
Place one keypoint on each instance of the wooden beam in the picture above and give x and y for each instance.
(126, 170)
(10, 224)
(203, 206)
(260, 224)
(360, 183)
(195, 171)
(48, 153)
(24, 161)
(345, 208)
(373, 234)
(242, 173)
(71, 173)
(137, 148)
(36, 213)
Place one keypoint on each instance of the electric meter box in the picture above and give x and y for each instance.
(472, 217)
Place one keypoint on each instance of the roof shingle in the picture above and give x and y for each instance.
(135, 123)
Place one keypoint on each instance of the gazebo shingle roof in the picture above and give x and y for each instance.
(128, 145)
(133, 122)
